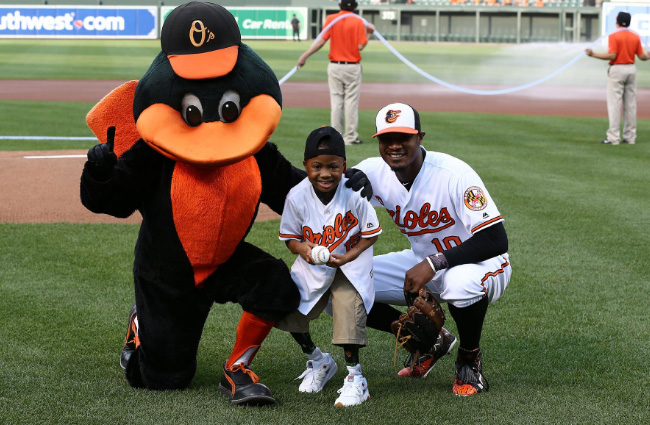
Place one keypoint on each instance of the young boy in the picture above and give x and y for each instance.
(321, 211)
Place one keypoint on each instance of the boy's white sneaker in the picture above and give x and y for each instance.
(317, 374)
(353, 392)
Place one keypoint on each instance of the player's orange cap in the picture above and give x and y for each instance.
(397, 118)
(201, 40)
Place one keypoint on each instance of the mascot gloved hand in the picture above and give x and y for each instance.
(102, 157)
(191, 154)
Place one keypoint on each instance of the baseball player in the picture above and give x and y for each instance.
(321, 212)
(458, 241)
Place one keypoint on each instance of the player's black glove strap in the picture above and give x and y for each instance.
(357, 180)
(102, 159)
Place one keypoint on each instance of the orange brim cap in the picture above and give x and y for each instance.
(198, 66)
(397, 118)
(201, 40)
(406, 130)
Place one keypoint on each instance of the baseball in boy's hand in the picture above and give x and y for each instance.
(320, 254)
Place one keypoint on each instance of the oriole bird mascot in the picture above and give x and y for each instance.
(187, 146)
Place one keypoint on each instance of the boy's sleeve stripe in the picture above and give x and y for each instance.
(372, 232)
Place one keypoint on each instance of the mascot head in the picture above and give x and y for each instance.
(207, 98)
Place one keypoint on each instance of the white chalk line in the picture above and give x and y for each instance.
(45, 138)
(53, 156)
(48, 138)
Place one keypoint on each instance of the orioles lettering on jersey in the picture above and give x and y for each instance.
(434, 220)
(332, 236)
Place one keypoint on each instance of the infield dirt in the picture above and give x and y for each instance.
(47, 190)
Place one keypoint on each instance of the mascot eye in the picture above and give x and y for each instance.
(229, 108)
(192, 110)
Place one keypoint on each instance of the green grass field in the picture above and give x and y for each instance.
(464, 65)
(565, 345)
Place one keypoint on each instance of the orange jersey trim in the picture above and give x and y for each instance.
(372, 232)
(487, 223)
(283, 235)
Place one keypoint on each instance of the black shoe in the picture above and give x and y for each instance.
(607, 142)
(242, 386)
(131, 340)
(626, 142)
(356, 142)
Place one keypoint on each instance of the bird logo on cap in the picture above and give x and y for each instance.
(199, 27)
(392, 115)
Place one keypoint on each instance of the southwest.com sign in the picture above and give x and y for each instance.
(84, 22)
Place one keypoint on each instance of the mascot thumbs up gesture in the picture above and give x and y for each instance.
(189, 150)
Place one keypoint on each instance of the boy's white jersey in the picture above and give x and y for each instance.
(446, 204)
(338, 226)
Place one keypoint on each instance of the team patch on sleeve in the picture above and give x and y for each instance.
(475, 199)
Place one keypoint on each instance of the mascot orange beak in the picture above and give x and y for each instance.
(211, 143)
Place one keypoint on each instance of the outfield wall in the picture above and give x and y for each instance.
(472, 24)
(482, 24)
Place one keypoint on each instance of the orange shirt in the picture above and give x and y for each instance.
(625, 44)
(345, 37)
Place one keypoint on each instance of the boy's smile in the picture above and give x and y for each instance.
(325, 172)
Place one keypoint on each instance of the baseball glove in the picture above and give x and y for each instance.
(417, 330)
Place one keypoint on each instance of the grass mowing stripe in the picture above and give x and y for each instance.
(464, 64)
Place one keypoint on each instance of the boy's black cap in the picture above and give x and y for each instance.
(623, 19)
(336, 142)
(201, 40)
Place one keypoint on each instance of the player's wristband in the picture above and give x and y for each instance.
(437, 262)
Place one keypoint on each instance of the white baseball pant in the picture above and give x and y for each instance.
(460, 286)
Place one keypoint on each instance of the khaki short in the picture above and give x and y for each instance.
(349, 314)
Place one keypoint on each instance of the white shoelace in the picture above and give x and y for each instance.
(351, 389)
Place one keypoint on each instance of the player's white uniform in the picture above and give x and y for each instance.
(338, 226)
(446, 204)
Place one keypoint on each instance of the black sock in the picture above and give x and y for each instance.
(469, 321)
(305, 342)
(381, 316)
(351, 352)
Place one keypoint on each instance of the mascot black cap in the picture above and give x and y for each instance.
(201, 40)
